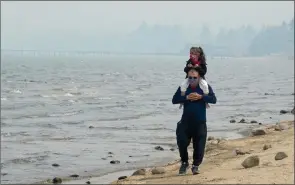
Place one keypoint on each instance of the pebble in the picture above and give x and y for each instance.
(74, 175)
(55, 165)
(139, 172)
(283, 112)
(122, 177)
(253, 121)
(110, 153)
(91, 127)
(251, 162)
(159, 148)
(115, 162)
(210, 138)
(56, 180)
(258, 132)
(280, 127)
(158, 170)
(266, 146)
(242, 121)
(280, 156)
(88, 182)
(241, 152)
(232, 121)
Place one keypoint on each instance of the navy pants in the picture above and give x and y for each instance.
(188, 130)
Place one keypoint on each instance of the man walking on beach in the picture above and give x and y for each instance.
(193, 121)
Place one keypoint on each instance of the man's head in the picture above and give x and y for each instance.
(194, 74)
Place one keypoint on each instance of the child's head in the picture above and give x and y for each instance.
(198, 53)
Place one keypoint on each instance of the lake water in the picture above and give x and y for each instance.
(48, 104)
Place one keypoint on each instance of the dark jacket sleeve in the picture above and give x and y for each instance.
(177, 98)
(210, 98)
(186, 68)
(204, 67)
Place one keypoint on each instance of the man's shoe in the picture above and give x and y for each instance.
(183, 168)
(195, 170)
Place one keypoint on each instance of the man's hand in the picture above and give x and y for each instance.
(194, 96)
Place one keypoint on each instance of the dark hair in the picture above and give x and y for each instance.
(199, 70)
(202, 56)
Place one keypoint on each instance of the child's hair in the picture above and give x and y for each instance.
(202, 55)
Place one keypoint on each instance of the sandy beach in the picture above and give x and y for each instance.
(222, 163)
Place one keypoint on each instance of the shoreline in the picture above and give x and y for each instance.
(250, 145)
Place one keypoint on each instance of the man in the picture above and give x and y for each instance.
(193, 121)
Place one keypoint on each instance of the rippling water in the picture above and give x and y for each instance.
(47, 105)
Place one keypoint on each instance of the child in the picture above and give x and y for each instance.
(197, 59)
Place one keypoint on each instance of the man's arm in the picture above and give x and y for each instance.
(210, 98)
(177, 98)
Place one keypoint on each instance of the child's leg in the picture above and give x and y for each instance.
(183, 87)
(204, 86)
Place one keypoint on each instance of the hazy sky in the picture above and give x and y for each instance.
(105, 18)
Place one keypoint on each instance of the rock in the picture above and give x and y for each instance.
(258, 132)
(91, 127)
(283, 112)
(214, 142)
(104, 158)
(159, 148)
(251, 162)
(122, 177)
(110, 156)
(253, 121)
(259, 123)
(232, 121)
(74, 175)
(281, 126)
(110, 153)
(280, 156)
(139, 172)
(128, 162)
(266, 146)
(56, 180)
(270, 117)
(3, 174)
(55, 165)
(241, 152)
(88, 182)
(210, 138)
(242, 121)
(115, 162)
(158, 170)
(172, 149)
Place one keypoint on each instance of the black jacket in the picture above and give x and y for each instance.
(186, 68)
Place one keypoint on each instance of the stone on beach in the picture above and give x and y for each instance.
(56, 180)
(283, 112)
(159, 148)
(122, 177)
(210, 138)
(258, 132)
(158, 170)
(241, 152)
(266, 146)
(139, 172)
(281, 126)
(232, 121)
(253, 121)
(91, 127)
(242, 121)
(88, 182)
(74, 175)
(280, 156)
(115, 162)
(251, 162)
(55, 165)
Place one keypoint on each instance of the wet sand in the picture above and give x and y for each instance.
(223, 166)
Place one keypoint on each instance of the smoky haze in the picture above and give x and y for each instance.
(222, 28)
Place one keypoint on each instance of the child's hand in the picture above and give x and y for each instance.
(189, 65)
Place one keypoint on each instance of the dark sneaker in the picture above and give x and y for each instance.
(195, 170)
(183, 168)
